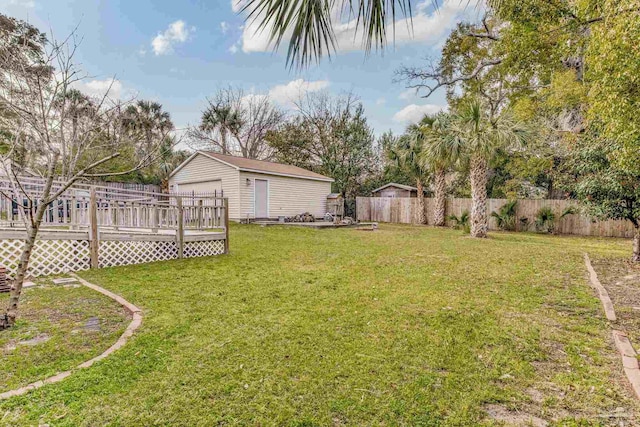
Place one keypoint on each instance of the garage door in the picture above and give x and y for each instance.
(201, 187)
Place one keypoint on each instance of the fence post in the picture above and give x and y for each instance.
(200, 214)
(115, 216)
(225, 205)
(180, 230)
(74, 211)
(94, 243)
(155, 218)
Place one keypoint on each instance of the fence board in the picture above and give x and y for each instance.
(404, 211)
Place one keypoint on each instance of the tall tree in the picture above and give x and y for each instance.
(329, 135)
(148, 122)
(441, 153)
(237, 123)
(35, 94)
(481, 135)
(409, 154)
(607, 190)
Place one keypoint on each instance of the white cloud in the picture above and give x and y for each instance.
(381, 101)
(413, 113)
(426, 26)
(176, 33)
(24, 4)
(98, 88)
(295, 90)
(234, 48)
(224, 27)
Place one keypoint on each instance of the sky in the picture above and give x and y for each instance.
(180, 52)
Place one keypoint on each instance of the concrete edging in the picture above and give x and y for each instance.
(136, 321)
(602, 292)
(623, 345)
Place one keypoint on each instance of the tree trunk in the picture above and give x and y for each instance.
(9, 318)
(421, 217)
(478, 175)
(636, 244)
(16, 284)
(440, 198)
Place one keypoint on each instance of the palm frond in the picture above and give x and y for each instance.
(310, 24)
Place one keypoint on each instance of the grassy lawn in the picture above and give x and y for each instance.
(403, 326)
(59, 328)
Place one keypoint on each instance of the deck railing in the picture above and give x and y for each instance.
(100, 226)
(115, 207)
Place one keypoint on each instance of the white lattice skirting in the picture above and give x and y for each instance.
(63, 256)
(114, 253)
(203, 248)
(48, 256)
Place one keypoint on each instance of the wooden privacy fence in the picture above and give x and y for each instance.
(404, 210)
(98, 227)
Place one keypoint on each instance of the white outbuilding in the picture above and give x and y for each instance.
(256, 189)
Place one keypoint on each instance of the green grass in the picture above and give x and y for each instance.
(403, 326)
(57, 316)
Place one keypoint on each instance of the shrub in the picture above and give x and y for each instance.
(506, 216)
(546, 218)
(462, 222)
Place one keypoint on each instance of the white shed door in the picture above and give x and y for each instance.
(201, 187)
(261, 198)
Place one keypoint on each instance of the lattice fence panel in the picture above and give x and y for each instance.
(114, 253)
(48, 256)
(203, 248)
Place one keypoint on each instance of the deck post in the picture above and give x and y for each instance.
(200, 214)
(180, 230)
(94, 243)
(115, 216)
(225, 205)
(155, 218)
(73, 215)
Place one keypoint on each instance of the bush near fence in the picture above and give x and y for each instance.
(404, 211)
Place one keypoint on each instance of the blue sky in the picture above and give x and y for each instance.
(180, 52)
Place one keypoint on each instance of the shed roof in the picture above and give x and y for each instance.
(259, 166)
(393, 184)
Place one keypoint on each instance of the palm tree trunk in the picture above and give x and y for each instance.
(636, 244)
(478, 175)
(420, 217)
(440, 198)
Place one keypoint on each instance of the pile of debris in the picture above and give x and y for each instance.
(4, 283)
(347, 220)
(305, 217)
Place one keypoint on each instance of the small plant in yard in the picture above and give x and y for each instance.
(546, 219)
(461, 222)
(506, 216)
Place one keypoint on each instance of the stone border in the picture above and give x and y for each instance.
(629, 360)
(602, 292)
(135, 323)
(623, 345)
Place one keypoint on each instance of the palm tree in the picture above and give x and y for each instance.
(481, 135)
(225, 120)
(442, 151)
(149, 121)
(310, 23)
(75, 106)
(408, 154)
